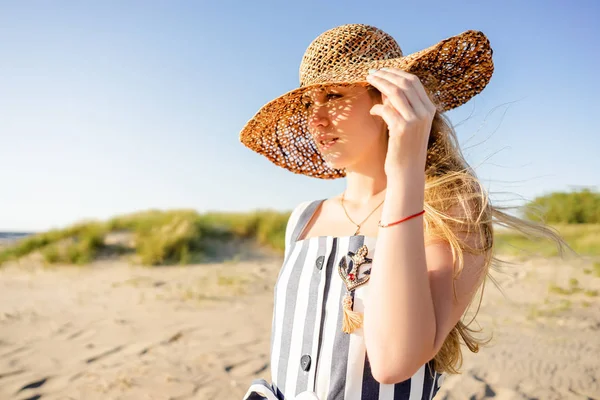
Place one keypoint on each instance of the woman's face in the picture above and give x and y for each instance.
(341, 125)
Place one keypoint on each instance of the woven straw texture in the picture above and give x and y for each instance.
(452, 71)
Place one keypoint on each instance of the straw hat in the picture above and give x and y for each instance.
(452, 71)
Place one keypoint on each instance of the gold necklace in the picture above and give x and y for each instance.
(363, 221)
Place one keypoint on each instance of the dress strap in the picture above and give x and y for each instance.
(304, 218)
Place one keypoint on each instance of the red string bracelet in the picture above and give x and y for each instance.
(402, 220)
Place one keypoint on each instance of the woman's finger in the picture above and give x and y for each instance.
(417, 85)
(407, 82)
(389, 114)
(394, 94)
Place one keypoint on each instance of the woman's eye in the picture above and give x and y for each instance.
(329, 96)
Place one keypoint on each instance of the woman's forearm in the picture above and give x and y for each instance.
(399, 318)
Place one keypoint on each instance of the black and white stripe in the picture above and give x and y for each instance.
(307, 321)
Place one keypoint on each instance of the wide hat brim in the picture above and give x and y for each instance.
(452, 71)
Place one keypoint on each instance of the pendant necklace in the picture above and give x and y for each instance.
(358, 225)
(348, 270)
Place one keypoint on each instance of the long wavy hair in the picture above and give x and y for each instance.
(459, 212)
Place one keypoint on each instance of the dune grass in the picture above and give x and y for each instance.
(584, 239)
(184, 236)
(77, 244)
(161, 237)
(594, 270)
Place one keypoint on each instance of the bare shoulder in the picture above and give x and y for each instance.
(324, 220)
(330, 205)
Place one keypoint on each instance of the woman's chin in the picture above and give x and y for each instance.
(335, 163)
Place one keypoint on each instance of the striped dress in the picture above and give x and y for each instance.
(310, 355)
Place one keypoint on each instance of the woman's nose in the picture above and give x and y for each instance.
(318, 117)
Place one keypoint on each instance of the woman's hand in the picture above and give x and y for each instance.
(408, 113)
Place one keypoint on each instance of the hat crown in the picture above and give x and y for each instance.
(345, 49)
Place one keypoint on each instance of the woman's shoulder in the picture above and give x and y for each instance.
(313, 206)
(304, 204)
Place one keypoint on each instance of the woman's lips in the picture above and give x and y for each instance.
(328, 144)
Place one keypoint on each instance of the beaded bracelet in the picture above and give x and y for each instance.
(402, 220)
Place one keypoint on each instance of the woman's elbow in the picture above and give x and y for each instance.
(392, 374)
(390, 366)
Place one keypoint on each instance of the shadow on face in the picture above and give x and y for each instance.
(341, 125)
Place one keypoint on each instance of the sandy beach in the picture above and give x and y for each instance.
(112, 330)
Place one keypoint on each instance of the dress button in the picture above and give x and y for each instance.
(320, 261)
(305, 362)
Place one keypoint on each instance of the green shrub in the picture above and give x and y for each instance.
(577, 207)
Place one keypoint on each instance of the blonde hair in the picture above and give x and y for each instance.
(459, 212)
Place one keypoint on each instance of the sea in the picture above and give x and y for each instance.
(7, 238)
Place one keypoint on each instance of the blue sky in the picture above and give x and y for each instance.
(110, 107)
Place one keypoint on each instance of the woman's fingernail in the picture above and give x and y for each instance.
(372, 71)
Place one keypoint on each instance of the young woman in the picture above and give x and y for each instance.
(369, 300)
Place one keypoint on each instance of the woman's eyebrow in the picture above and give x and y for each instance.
(337, 88)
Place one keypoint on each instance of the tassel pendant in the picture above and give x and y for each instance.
(352, 319)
